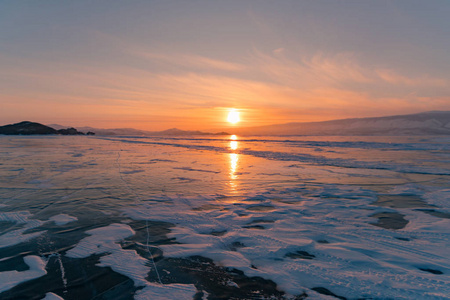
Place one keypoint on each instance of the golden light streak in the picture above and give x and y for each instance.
(234, 159)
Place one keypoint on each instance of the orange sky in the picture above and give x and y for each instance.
(172, 64)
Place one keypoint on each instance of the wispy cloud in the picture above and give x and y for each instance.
(338, 69)
(392, 77)
(313, 71)
(190, 61)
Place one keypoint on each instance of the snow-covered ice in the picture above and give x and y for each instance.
(262, 217)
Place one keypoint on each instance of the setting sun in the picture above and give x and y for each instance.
(233, 117)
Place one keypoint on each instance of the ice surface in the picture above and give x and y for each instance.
(9, 279)
(297, 211)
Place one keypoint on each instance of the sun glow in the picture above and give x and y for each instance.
(233, 116)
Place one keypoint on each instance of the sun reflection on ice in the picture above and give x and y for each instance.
(234, 160)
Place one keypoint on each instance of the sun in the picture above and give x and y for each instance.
(233, 116)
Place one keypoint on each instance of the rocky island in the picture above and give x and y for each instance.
(32, 128)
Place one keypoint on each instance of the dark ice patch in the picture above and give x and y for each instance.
(84, 279)
(206, 207)
(236, 245)
(435, 213)
(6, 226)
(400, 201)
(323, 241)
(184, 179)
(14, 263)
(215, 280)
(196, 170)
(324, 291)
(218, 233)
(261, 208)
(300, 254)
(254, 227)
(152, 232)
(390, 220)
(402, 239)
(261, 221)
(132, 172)
(156, 160)
(432, 271)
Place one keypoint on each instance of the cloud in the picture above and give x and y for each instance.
(335, 70)
(318, 70)
(272, 87)
(190, 61)
(392, 77)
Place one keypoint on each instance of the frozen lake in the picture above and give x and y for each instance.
(224, 217)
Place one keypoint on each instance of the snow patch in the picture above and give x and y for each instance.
(167, 291)
(10, 279)
(52, 296)
(17, 236)
(62, 219)
(101, 240)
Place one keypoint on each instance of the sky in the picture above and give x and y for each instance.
(155, 65)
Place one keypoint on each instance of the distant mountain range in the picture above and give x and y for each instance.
(137, 132)
(426, 123)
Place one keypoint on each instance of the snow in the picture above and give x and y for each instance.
(62, 219)
(52, 296)
(101, 240)
(17, 236)
(9, 279)
(167, 291)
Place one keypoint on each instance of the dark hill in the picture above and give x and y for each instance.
(70, 131)
(26, 128)
(31, 128)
